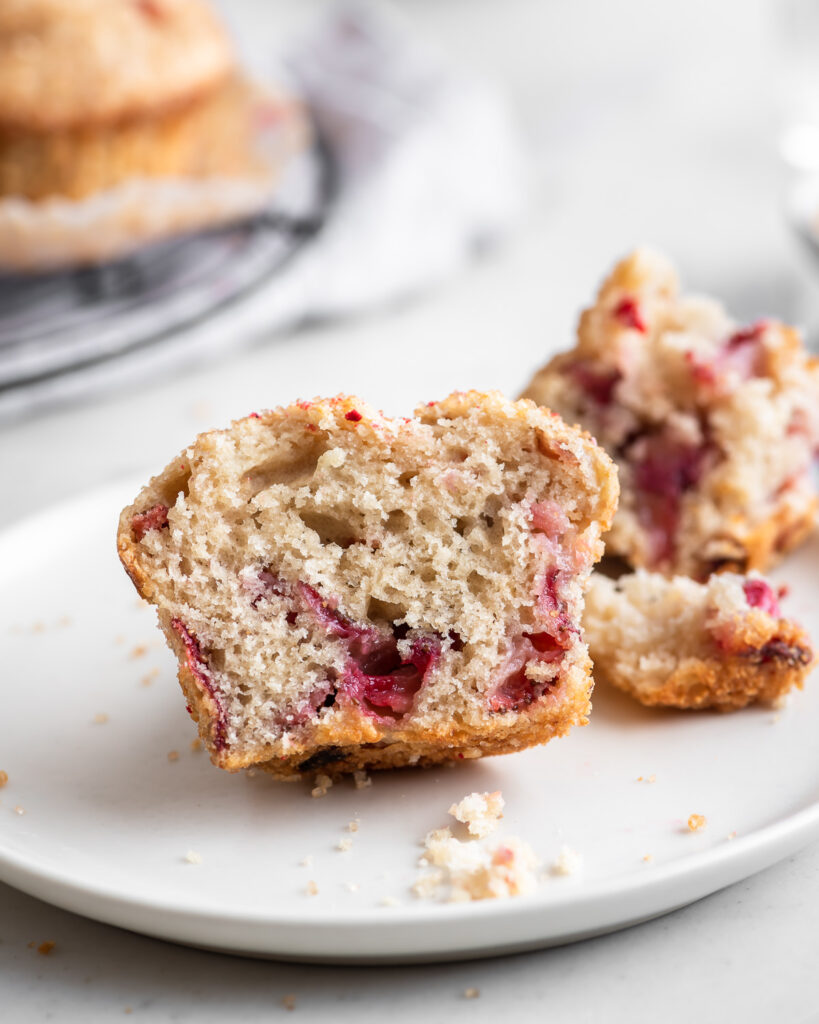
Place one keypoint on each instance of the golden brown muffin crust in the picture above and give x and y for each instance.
(89, 62)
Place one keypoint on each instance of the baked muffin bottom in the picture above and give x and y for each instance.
(212, 135)
(676, 643)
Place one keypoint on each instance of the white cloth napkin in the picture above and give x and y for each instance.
(427, 168)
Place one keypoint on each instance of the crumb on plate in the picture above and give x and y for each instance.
(471, 870)
(322, 784)
(568, 862)
(480, 812)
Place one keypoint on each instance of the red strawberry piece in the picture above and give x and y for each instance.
(155, 518)
(760, 594)
(628, 312)
(199, 669)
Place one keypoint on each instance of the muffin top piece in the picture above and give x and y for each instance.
(65, 63)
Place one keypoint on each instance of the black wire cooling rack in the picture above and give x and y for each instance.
(57, 324)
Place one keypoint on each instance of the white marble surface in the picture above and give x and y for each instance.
(645, 121)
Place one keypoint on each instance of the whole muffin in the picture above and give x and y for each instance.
(95, 92)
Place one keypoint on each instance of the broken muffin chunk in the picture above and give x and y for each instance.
(678, 643)
(348, 591)
(713, 426)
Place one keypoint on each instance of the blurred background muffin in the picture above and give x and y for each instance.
(93, 92)
(124, 122)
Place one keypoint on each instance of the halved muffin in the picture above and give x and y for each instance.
(713, 426)
(349, 591)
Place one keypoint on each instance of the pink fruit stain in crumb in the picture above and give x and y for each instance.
(353, 416)
(515, 692)
(554, 616)
(628, 312)
(254, 416)
(198, 668)
(155, 518)
(549, 518)
(555, 631)
(597, 382)
(741, 355)
(760, 594)
(376, 674)
(664, 469)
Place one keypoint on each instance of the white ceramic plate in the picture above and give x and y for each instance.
(108, 819)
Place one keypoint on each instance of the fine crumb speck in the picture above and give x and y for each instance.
(19, 810)
(289, 1002)
(648, 858)
(697, 822)
(4, 778)
(66, 620)
(471, 993)
(138, 652)
(352, 826)
(118, 640)
(568, 862)
(311, 888)
(38, 627)
(196, 746)
(192, 857)
(351, 886)
(362, 780)
(322, 784)
(100, 718)
(306, 862)
(732, 835)
(390, 901)
(45, 948)
(173, 755)
(344, 844)
(646, 778)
